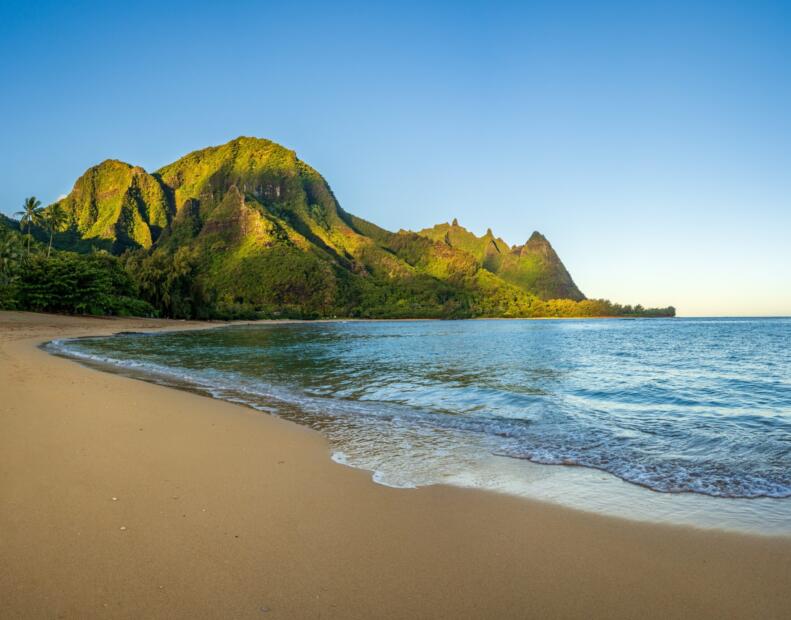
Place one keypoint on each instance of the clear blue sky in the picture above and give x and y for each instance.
(651, 143)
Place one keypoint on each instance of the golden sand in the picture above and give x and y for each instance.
(124, 499)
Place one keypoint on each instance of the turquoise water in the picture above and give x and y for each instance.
(698, 407)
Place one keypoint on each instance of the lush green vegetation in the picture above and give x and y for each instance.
(65, 282)
(247, 230)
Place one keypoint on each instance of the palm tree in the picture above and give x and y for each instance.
(30, 214)
(54, 218)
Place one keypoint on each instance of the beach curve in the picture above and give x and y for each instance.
(129, 499)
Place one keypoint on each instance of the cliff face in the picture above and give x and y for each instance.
(118, 205)
(534, 267)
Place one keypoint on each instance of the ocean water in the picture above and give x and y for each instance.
(685, 420)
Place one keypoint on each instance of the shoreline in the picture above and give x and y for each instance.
(590, 490)
(229, 512)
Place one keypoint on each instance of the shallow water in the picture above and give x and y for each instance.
(696, 410)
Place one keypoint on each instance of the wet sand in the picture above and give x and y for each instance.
(221, 512)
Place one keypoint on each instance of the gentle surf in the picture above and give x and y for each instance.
(698, 407)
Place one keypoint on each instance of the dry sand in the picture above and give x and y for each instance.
(223, 512)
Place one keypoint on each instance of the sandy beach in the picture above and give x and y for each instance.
(124, 499)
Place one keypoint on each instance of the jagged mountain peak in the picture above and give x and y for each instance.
(534, 266)
(536, 243)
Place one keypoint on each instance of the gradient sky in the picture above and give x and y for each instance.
(651, 143)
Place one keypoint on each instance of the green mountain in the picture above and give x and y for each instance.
(267, 233)
(248, 229)
(117, 206)
(534, 267)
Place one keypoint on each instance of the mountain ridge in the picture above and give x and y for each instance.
(247, 228)
(533, 266)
